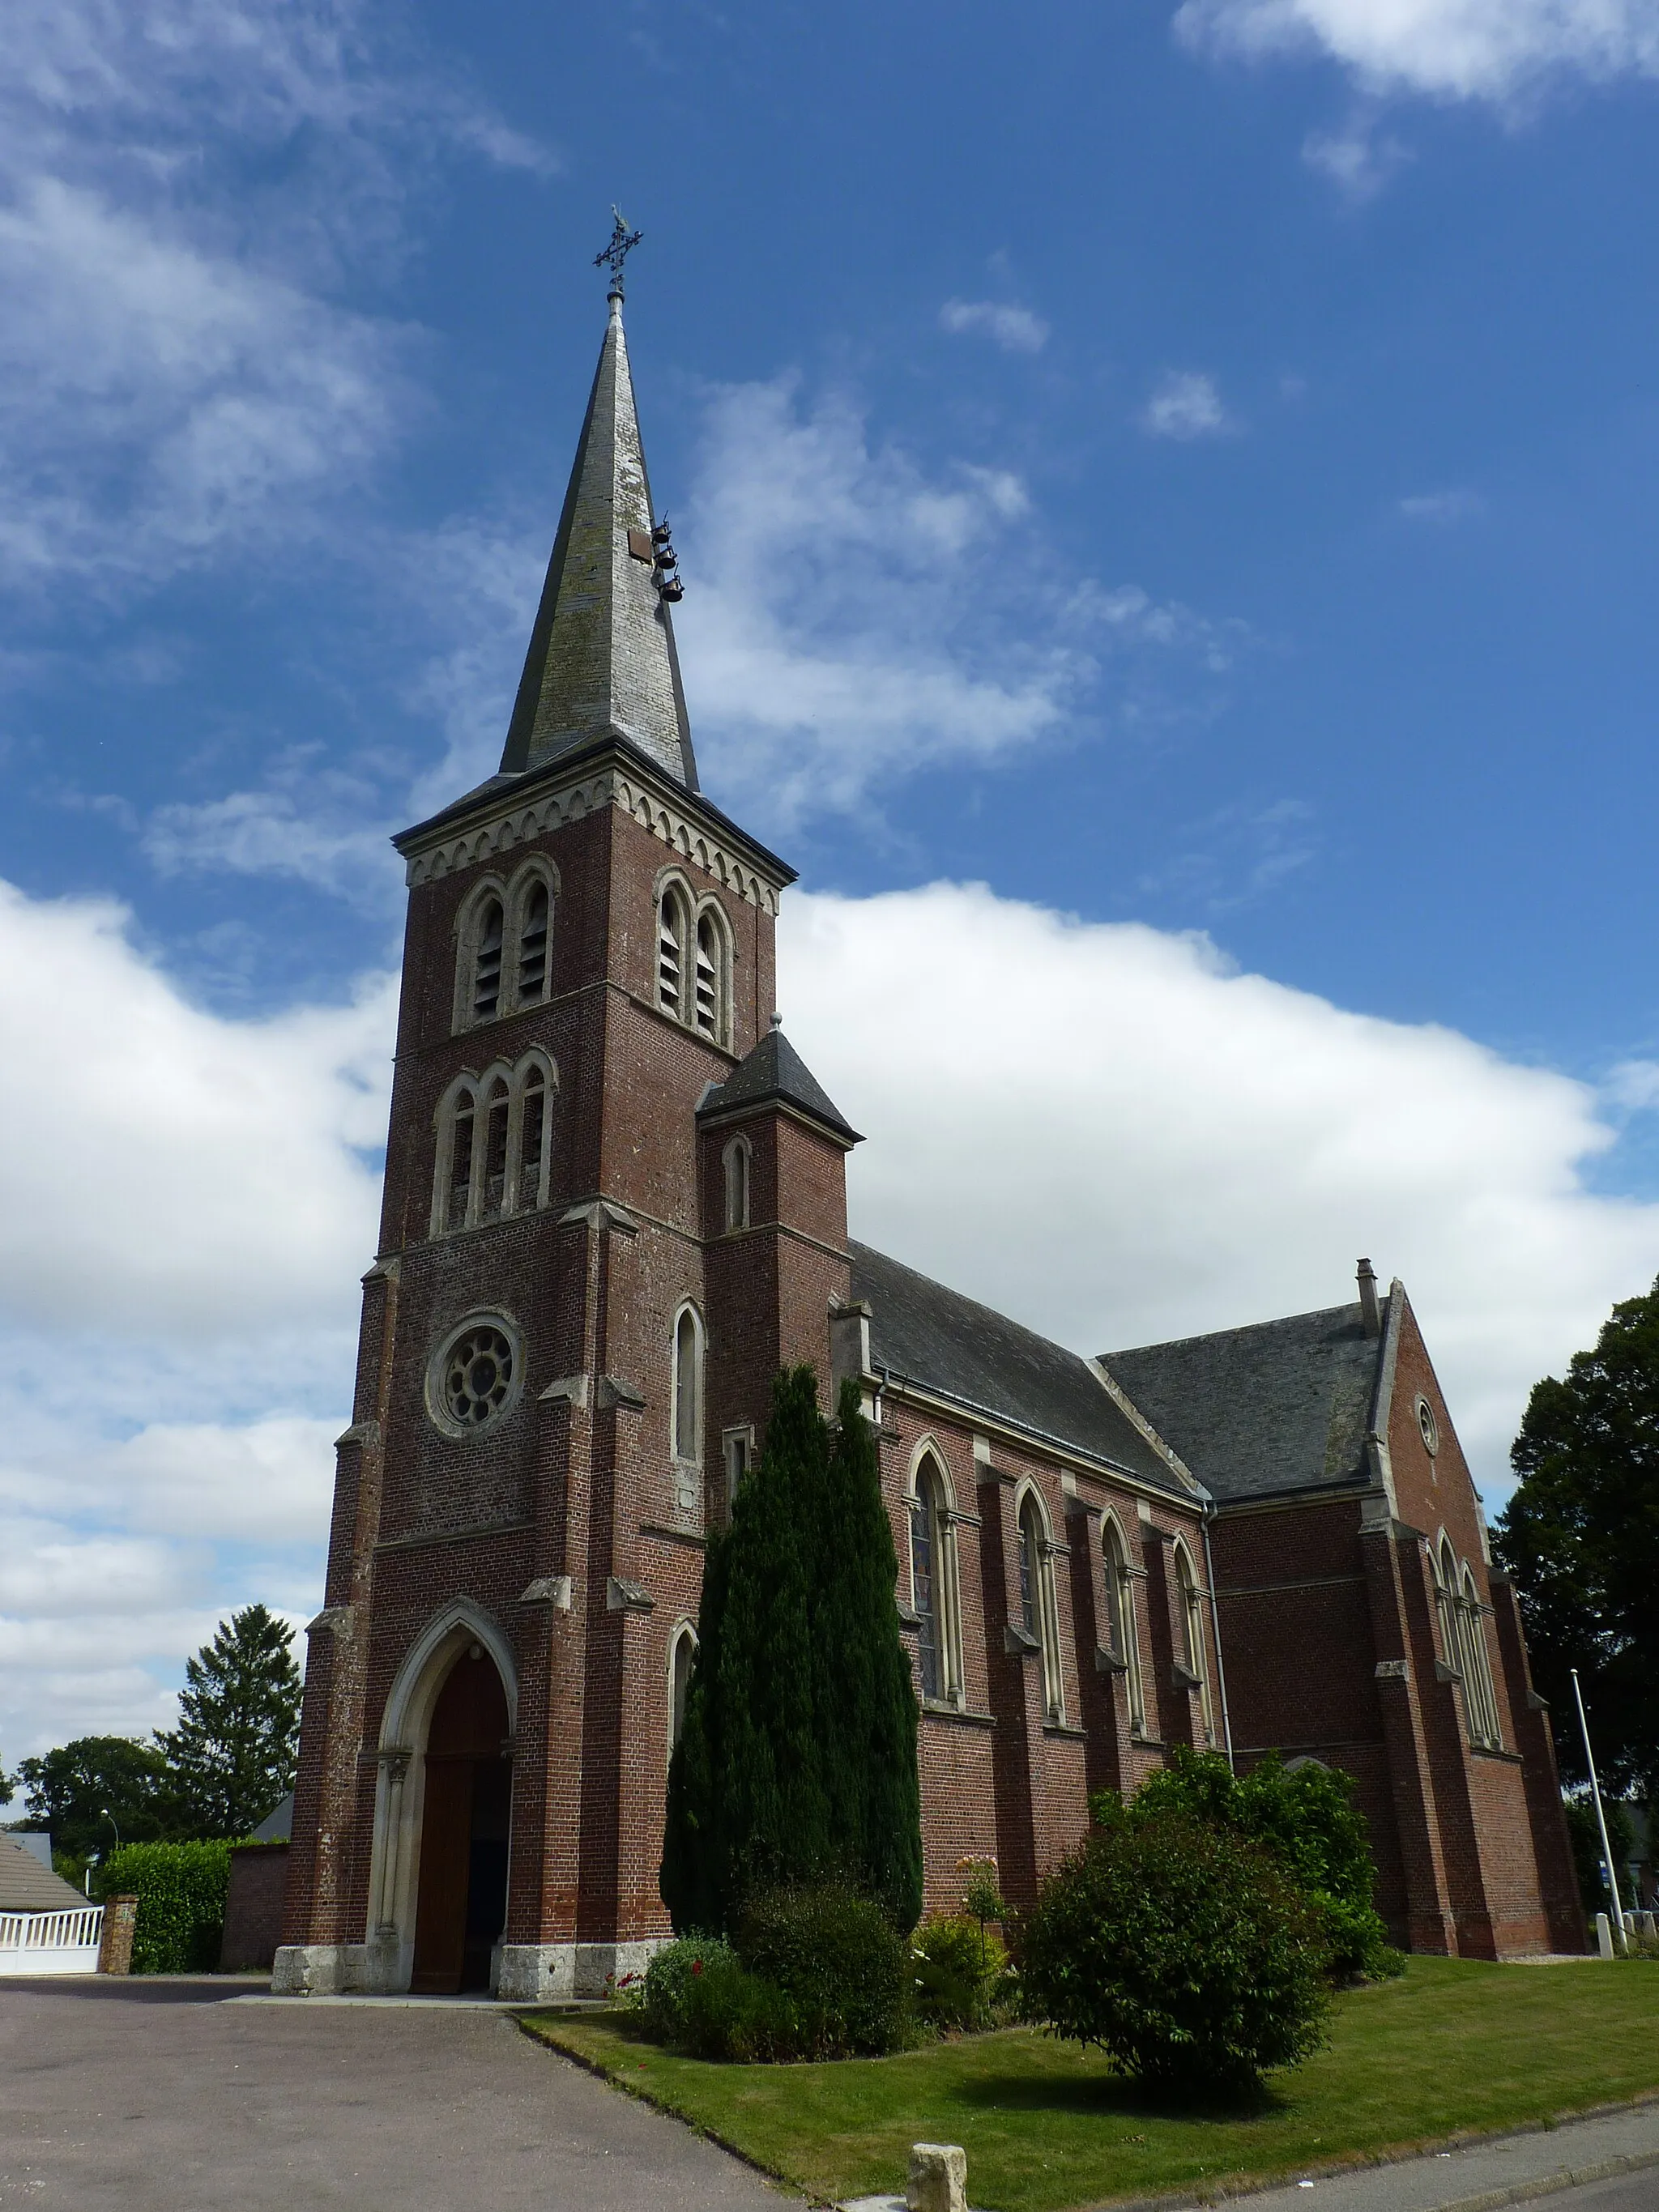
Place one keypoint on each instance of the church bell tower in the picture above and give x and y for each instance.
(615, 1205)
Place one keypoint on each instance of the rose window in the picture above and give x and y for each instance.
(477, 1377)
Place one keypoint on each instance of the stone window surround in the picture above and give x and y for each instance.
(1121, 1576)
(491, 1317)
(1044, 1597)
(683, 1633)
(927, 1454)
(1189, 1584)
(673, 883)
(478, 1087)
(513, 893)
(688, 1467)
(737, 1162)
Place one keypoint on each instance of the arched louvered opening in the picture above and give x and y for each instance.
(534, 917)
(459, 1179)
(670, 952)
(487, 963)
(532, 1138)
(706, 1004)
(494, 1192)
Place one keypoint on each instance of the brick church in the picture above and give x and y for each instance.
(615, 1206)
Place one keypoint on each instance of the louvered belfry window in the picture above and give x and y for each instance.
(460, 1162)
(669, 953)
(707, 991)
(487, 968)
(531, 1138)
(496, 1117)
(532, 946)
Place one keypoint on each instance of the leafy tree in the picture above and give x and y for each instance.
(8, 1786)
(796, 1762)
(233, 1755)
(1580, 1540)
(1303, 1817)
(1585, 1837)
(70, 1788)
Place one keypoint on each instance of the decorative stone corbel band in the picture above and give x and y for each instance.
(623, 1596)
(1392, 1670)
(550, 1589)
(335, 1617)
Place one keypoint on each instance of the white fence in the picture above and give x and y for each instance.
(51, 1942)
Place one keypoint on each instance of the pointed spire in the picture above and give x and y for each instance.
(602, 659)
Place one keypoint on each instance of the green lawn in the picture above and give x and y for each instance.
(1452, 2047)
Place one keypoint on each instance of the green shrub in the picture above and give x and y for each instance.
(181, 1889)
(1304, 1817)
(1182, 1950)
(839, 1960)
(959, 1970)
(665, 2002)
(735, 2014)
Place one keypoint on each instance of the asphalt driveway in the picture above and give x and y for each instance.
(154, 2096)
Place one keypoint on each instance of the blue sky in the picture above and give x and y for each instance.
(1166, 497)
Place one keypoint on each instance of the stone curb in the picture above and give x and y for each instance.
(1489, 2200)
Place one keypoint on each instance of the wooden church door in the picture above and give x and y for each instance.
(461, 1900)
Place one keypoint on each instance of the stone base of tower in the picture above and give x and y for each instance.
(520, 1973)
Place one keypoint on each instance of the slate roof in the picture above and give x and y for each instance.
(922, 1332)
(775, 1071)
(278, 1827)
(27, 1887)
(1280, 1406)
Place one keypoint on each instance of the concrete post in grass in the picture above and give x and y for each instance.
(1604, 1935)
(938, 2178)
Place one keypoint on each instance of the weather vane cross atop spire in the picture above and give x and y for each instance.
(623, 242)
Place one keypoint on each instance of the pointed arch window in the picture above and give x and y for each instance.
(934, 1587)
(1039, 1605)
(682, 1652)
(493, 1144)
(688, 1387)
(1191, 1599)
(487, 961)
(533, 917)
(1120, 1624)
(734, 1160)
(1444, 1563)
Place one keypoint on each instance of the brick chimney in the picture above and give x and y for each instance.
(1369, 1312)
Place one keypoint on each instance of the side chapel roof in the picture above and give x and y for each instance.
(922, 1332)
(1280, 1405)
(775, 1073)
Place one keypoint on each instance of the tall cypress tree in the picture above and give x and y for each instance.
(796, 1760)
(864, 1700)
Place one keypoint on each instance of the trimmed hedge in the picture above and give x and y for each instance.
(181, 1889)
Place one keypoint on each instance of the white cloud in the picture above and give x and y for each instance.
(1358, 158)
(176, 372)
(1452, 49)
(1456, 504)
(1106, 1132)
(186, 1205)
(1185, 405)
(1016, 330)
(1634, 1084)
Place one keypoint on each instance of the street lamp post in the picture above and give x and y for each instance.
(1601, 1817)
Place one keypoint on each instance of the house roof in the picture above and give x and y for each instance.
(922, 1332)
(27, 1887)
(775, 1072)
(1280, 1405)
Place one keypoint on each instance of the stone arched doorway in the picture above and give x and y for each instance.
(460, 1902)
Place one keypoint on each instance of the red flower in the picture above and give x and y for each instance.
(696, 1965)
